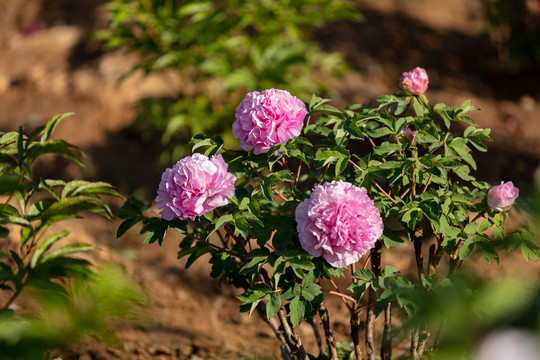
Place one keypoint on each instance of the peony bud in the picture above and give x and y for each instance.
(501, 197)
(409, 134)
(415, 81)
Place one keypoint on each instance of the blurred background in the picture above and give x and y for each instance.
(142, 77)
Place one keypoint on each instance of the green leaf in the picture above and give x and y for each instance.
(46, 245)
(487, 249)
(273, 305)
(363, 276)
(79, 187)
(58, 147)
(127, 224)
(47, 187)
(386, 149)
(26, 234)
(10, 183)
(316, 102)
(68, 249)
(297, 310)
(466, 120)
(392, 239)
(442, 109)
(529, 247)
(466, 248)
(253, 266)
(51, 125)
(380, 303)
(3, 232)
(328, 156)
(325, 108)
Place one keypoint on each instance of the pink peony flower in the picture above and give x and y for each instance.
(338, 222)
(266, 118)
(501, 197)
(194, 186)
(415, 81)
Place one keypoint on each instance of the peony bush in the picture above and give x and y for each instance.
(317, 193)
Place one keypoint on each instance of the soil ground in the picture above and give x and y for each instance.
(47, 68)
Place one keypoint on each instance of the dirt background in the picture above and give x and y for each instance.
(46, 68)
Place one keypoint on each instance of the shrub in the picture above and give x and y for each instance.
(35, 262)
(305, 211)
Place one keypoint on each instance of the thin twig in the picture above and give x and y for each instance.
(373, 144)
(427, 184)
(404, 193)
(279, 194)
(422, 339)
(367, 260)
(377, 185)
(385, 193)
(342, 298)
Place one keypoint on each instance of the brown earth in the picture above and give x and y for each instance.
(46, 68)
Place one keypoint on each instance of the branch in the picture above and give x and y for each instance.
(295, 344)
(300, 164)
(386, 345)
(328, 333)
(337, 292)
(377, 185)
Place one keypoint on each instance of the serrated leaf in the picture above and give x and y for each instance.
(297, 310)
(466, 248)
(529, 247)
(273, 305)
(363, 275)
(382, 301)
(253, 266)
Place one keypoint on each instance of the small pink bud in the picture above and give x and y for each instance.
(501, 197)
(409, 134)
(415, 81)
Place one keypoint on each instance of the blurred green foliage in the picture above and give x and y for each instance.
(63, 297)
(514, 27)
(56, 320)
(221, 50)
(467, 309)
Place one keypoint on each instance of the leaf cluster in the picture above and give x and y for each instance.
(223, 49)
(30, 206)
